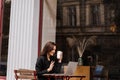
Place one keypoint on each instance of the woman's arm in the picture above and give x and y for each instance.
(39, 66)
(57, 67)
(43, 66)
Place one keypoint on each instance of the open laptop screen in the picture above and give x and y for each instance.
(71, 68)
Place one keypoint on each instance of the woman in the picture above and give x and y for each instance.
(47, 62)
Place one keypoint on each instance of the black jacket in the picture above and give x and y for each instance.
(42, 65)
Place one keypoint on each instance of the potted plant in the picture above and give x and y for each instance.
(81, 44)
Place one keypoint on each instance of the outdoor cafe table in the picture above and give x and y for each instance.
(63, 76)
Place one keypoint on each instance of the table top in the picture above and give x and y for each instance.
(63, 75)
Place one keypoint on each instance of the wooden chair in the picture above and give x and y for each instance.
(25, 74)
(102, 75)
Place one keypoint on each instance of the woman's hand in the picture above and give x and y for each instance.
(51, 66)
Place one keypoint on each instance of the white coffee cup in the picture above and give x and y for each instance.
(59, 54)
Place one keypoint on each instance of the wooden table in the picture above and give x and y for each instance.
(63, 76)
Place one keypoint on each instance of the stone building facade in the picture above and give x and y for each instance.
(85, 18)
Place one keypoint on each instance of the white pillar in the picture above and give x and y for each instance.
(49, 21)
(23, 36)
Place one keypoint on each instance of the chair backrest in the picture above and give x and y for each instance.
(98, 70)
(25, 74)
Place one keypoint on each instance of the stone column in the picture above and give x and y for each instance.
(82, 13)
(65, 16)
(87, 15)
(23, 36)
(49, 21)
(102, 16)
(78, 15)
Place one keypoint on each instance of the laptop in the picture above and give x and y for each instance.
(70, 69)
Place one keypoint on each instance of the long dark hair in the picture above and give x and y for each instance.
(47, 48)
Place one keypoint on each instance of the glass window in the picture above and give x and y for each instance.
(95, 20)
(72, 15)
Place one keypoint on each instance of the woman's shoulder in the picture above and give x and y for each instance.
(41, 57)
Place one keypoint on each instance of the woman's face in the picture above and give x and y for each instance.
(51, 53)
